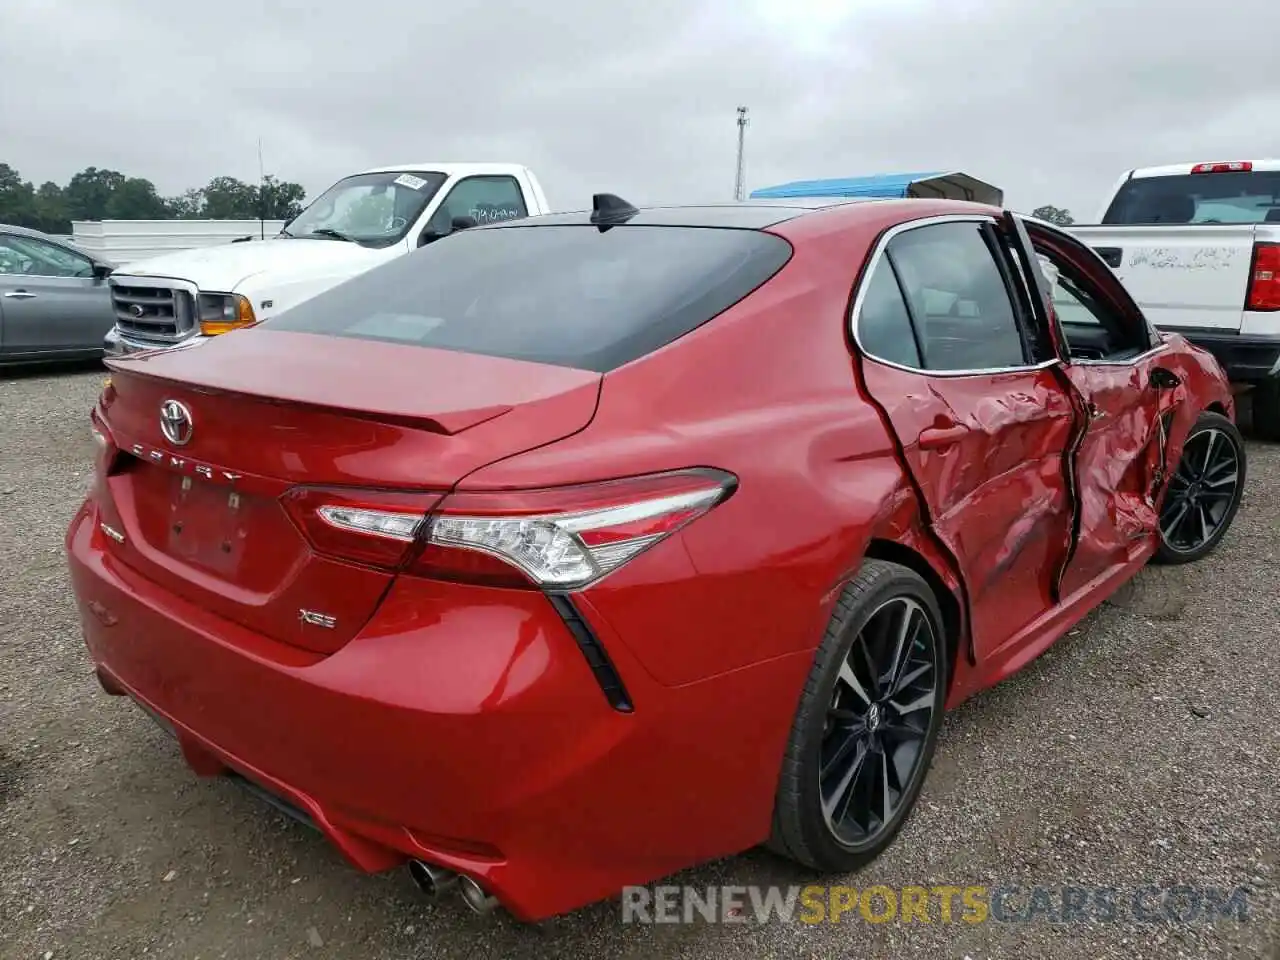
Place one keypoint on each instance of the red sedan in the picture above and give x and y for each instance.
(568, 552)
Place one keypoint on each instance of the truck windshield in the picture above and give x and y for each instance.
(371, 209)
(1233, 197)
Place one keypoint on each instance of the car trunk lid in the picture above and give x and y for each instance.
(203, 510)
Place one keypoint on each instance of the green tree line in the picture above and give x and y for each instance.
(94, 194)
(1054, 214)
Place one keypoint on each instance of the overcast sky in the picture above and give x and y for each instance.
(1051, 100)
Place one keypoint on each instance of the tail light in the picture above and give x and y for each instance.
(372, 527)
(105, 459)
(1264, 281)
(105, 444)
(558, 538)
(1238, 166)
(564, 538)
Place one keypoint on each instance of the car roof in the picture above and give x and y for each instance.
(26, 232)
(761, 214)
(745, 215)
(1268, 165)
(448, 168)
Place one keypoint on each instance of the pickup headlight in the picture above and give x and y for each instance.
(223, 312)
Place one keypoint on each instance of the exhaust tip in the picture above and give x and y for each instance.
(431, 880)
(474, 896)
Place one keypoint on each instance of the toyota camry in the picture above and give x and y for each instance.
(572, 551)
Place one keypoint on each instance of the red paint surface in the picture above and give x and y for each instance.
(460, 723)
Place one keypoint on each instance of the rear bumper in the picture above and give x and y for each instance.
(1245, 358)
(464, 729)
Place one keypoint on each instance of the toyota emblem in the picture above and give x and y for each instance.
(136, 310)
(175, 422)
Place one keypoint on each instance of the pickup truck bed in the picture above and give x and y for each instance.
(1198, 247)
(1193, 279)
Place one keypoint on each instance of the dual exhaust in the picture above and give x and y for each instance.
(434, 881)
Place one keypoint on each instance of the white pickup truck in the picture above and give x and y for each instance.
(360, 222)
(1198, 246)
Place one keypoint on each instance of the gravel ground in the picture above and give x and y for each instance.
(1143, 749)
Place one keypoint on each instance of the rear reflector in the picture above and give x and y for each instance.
(1264, 282)
(558, 538)
(1239, 166)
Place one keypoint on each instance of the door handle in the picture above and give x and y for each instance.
(20, 295)
(931, 438)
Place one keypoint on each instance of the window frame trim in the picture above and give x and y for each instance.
(879, 253)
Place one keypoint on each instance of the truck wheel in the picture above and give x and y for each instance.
(1204, 492)
(867, 723)
(1266, 409)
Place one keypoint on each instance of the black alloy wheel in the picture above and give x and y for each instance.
(867, 725)
(880, 715)
(1204, 492)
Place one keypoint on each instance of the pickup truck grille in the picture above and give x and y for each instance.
(153, 313)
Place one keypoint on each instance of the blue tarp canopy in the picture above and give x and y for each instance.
(949, 185)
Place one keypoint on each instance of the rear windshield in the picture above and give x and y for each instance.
(573, 296)
(1242, 197)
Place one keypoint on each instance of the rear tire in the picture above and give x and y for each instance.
(1266, 410)
(1204, 492)
(867, 723)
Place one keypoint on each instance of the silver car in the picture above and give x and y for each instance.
(54, 299)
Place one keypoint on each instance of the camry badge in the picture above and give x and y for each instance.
(175, 422)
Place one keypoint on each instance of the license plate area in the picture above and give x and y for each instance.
(208, 524)
(212, 528)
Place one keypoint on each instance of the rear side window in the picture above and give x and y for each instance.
(958, 298)
(884, 326)
(1230, 197)
(572, 296)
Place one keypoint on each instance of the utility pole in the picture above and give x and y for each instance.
(739, 186)
(262, 195)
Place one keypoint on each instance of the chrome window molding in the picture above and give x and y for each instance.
(1131, 362)
(878, 256)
